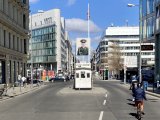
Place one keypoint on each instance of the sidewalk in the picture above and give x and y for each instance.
(149, 90)
(16, 91)
(155, 92)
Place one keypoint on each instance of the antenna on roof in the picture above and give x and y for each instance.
(112, 24)
(127, 23)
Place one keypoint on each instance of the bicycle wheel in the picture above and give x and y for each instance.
(139, 113)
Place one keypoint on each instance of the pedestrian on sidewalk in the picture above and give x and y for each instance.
(24, 81)
(20, 80)
(133, 82)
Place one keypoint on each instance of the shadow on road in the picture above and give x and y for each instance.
(133, 114)
(132, 104)
(129, 99)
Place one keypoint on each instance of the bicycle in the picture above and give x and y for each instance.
(139, 112)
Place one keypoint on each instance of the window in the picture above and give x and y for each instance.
(9, 40)
(24, 21)
(18, 43)
(88, 75)
(25, 46)
(3, 5)
(144, 29)
(13, 42)
(150, 6)
(24, 1)
(82, 74)
(4, 37)
(144, 7)
(77, 75)
(150, 27)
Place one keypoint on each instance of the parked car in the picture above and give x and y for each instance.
(57, 78)
(51, 79)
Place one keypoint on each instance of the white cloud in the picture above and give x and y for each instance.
(96, 39)
(33, 1)
(81, 26)
(71, 2)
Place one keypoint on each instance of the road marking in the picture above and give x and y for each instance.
(106, 95)
(104, 102)
(101, 116)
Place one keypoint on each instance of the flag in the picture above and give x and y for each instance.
(88, 13)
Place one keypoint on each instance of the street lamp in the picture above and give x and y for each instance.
(131, 5)
(31, 51)
(140, 42)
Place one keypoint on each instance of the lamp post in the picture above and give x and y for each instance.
(140, 42)
(132, 5)
(31, 53)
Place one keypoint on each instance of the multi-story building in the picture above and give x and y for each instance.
(47, 43)
(126, 40)
(69, 61)
(157, 39)
(150, 28)
(93, 61)
(14, 23)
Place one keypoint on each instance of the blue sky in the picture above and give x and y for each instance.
(103, 13)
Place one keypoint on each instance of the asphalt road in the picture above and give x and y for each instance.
(49, 103)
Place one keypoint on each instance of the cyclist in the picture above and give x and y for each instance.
(139, 95)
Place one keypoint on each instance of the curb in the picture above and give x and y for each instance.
(153, 94)
(10, 97)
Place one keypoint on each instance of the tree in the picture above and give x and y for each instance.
(115, 63)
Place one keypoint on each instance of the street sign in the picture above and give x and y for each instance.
(146, 47)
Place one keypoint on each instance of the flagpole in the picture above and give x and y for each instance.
(88, 18)
(88, 15)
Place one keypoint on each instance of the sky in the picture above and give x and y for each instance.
(103, 13)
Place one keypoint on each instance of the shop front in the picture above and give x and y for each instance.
(10, 67)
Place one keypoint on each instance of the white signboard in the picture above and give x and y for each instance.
(83, 65)
(130, 61)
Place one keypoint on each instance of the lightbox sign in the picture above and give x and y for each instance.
(146, 47)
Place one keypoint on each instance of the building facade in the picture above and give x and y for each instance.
(150, 28)
(157, 38)
(48, 42)
(124, 41)
(14, 22)
(69, 61)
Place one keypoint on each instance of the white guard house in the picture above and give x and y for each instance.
(83, 76)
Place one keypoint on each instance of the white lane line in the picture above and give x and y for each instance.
(106, 96)
(101, 116)
(104, 102)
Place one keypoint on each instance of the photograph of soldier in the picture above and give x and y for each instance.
(83, 50)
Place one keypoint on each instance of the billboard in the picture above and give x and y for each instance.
(130, 61)
(82, 47)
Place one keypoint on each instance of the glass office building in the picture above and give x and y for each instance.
(43, 45)
(157, 38)
(150, 28)
(147, 20)
(48, 50)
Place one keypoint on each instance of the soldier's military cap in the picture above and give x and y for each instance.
(83, 41)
